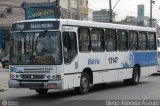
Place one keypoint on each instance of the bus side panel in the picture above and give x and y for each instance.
(77, 80)
(153, 62)
(120, 65)
(158, 55)
(144, 71)
(112, 75)
(96, 62)
(125, 73)
(70, 71)
(65, 82)
(153, 69)
(71, 81)
(141, 59)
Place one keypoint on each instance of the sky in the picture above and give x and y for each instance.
(127, 7)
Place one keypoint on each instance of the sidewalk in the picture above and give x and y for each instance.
(4, 77)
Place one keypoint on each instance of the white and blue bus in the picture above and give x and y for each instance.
(158, 48)
(58, 54)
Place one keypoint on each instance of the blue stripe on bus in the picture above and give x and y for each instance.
(141, 58)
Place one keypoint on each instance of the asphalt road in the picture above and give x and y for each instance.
(148, 89)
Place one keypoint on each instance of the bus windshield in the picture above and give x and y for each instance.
(40, 48)
(158, 42)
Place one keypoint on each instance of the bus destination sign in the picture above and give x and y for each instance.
(46, 25)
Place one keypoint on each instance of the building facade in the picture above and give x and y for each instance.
(140, 15)
(103, 15)
(83, 9)
(74, 9)
(147, 22)
(11, 11)
(129, 20)
(90, 14)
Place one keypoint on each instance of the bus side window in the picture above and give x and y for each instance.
(110, 40)
(142, 43)
(151, 41)
(122, 40)
(97, 36)
(133, 40)
(84, 39)
(69, 46)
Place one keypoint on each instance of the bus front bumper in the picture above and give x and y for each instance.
(35, 85)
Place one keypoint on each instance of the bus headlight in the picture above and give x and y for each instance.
(48, 76)
(17, 76)
(12, 76)
(54, 77)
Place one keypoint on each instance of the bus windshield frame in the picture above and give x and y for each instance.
(36, 48)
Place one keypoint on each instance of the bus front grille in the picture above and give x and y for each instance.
(32, 76)
(31, 85)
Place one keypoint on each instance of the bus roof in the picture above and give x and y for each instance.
(94, 24)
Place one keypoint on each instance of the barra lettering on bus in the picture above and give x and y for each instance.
(93, 61)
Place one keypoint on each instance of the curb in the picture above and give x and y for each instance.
(4, 71)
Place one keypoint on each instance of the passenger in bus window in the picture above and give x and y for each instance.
(65, 52)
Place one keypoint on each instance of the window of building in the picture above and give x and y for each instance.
(84, 39)
(133, 40)
(142, 41)
(151, 41)
(110, 39)
(97, 36)
(86, 3)
(122, 40)
(81, 2)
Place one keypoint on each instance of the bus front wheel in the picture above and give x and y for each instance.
(135, 77)
(41, 91)
(84, 84)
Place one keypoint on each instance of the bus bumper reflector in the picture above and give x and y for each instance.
(35, 85)
(52, 85)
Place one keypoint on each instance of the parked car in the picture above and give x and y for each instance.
(1, 56)
(5, 61)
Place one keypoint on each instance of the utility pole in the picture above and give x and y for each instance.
(69, 9)
(150, 13)
(110, 11)
(151, 2)
(78, 10)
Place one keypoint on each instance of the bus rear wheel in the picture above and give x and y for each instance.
(84, 84)
(135, 77)
(41, 91)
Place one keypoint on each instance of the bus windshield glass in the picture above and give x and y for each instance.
(158, 42)
(40, 48)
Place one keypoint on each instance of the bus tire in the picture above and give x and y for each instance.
(41, 91)
(84, 84)
(135, 77)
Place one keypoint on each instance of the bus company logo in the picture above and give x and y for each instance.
(4, 103)
(93, 61)
(128, 61)
(131, 59)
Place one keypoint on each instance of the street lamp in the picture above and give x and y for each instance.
(111, 10)
(116, 5)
